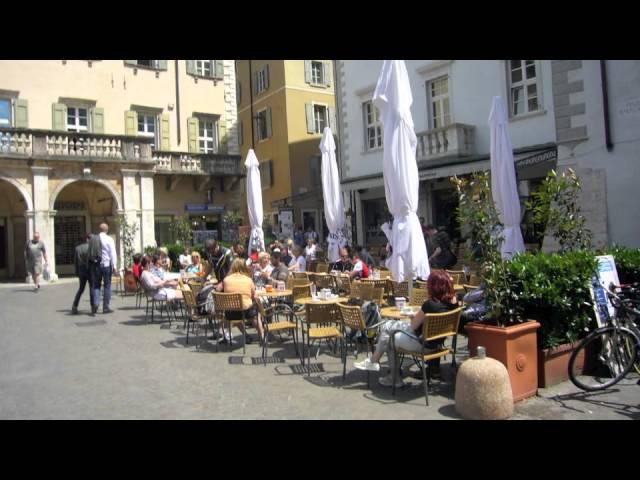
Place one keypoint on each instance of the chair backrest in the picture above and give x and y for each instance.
(323, 281)
(304, 275)
(474, 280)
(195, 287)
(301, 291)
(385, 274)
(227, 302)
(189, 299)
(458, 276)
(352, 316)
(418, 296)
(441, 325)
(343, 283)
(298, 282)
(361, 290)
(311, 265)
(400, 289)
(323, 313)
(322, 267)
(373, 294)
(421, 284)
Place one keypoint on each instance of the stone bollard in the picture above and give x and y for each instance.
(483, 389)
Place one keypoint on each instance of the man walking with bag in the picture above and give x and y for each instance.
(104, 270)
(82, 271)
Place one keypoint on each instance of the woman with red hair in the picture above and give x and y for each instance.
(443, 299)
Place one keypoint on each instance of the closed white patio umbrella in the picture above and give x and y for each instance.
(401, 180)
(333, 205)
(503, 180)
(254, 202)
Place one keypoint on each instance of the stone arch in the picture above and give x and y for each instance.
(68, 181)
(23, 191)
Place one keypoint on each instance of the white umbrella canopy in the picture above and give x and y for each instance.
(401, 180)
(254, 202)
(503, 180)
(333, 205)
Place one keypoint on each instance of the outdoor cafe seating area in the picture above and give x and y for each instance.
(313, 311)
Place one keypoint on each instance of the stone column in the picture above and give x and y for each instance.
(43, 216)
(147, 224)
(131, 205)
(230, 107)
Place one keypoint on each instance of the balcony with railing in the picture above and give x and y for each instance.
(197, 163)
(56, 145)
(442, 145)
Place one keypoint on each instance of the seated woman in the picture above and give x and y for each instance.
(165, 261)
(155, 266)
(443, 299)
(298, 262)
(239, 281)
(161, 289)
(262, 270)
(185, 258)
(196, 264)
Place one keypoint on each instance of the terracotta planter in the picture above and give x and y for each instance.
(553, 364)
(516, 347)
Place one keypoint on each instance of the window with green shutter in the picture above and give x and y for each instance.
(266, 174)
(165, 139)
(59, 116)
(192, 132)
(131, 123)
(97, 119)
(22, 113)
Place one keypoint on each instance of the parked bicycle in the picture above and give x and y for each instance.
(606, 355)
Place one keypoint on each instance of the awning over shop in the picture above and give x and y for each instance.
(536, 165)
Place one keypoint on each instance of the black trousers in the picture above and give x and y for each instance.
(84, 277)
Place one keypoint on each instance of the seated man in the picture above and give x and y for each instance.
(344, 263)
(280, 272)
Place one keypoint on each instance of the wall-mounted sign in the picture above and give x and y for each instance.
(536, 166)
(203, 208)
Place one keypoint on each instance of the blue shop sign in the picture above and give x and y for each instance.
(203, 208)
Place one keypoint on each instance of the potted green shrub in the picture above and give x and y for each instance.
(505, 333)
(559, 295)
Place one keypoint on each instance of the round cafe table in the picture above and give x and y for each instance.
(395, 314)
(312, 301)
(274, 293)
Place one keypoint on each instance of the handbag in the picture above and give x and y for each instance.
(46, 274)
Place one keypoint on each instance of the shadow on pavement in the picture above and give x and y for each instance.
(450, 411)
(594, 398)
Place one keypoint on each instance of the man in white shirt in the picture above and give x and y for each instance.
(108, 262)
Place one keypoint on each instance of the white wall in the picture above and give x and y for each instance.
(473, 83)
(622, 164)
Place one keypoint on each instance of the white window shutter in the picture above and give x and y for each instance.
(266, 77)
(332, 119)
(307, 71)
(191, 67)
(162, 64)
(308, 108)
(326, 73)
(219, 68)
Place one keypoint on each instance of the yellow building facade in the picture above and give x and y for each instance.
(85, 141)
(283, 107)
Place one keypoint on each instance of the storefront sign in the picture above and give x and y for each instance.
(536, 166)
(203, 208)
(285, 218)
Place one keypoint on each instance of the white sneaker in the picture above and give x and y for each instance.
(367, 364)
(387, 381)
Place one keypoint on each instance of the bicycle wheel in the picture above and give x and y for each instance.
(603, 358)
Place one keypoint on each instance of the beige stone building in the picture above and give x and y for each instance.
(283, 107)
(83, 141)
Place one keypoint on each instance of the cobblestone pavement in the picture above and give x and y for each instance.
(54, 365)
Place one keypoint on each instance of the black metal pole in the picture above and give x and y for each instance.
(605, 105)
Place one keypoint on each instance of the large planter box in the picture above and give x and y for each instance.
(553, 364)
(516, 347)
